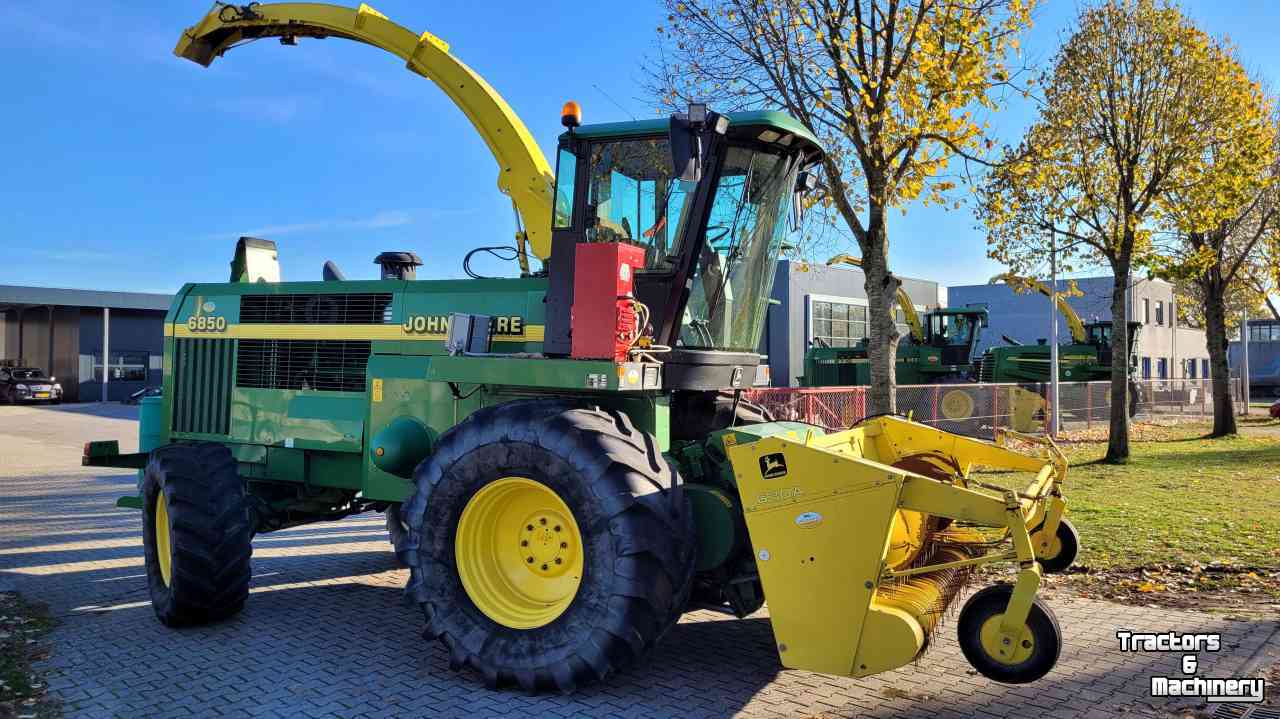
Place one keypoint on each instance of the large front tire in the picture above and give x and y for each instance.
(625, 544)
(196, 534)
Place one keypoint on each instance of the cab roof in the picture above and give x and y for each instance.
(765, 119)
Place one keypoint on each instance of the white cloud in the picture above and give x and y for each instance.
(381, 220)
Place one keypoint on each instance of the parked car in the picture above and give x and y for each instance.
(1275, 409)
(28, 384)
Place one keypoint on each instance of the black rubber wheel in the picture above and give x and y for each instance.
(1060, 554)
(397, 533)
(1043, 636)
(637, 542)
(695, 415)
(208, 530)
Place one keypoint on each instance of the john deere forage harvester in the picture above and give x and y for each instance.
(562, 453)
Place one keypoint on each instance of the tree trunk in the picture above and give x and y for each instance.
(1213, 290)
(882, 288)
(1118, 440)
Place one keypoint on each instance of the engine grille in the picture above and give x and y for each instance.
(370, 308)
(324, 365)
(201, 385)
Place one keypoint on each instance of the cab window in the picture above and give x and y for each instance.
(566, 167)
(633, 197)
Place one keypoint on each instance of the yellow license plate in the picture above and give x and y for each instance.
(42, 395)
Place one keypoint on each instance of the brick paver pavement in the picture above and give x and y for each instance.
(325, 633)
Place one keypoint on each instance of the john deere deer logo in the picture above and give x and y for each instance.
(773, 466)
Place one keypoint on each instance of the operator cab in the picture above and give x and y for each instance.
(1099, 335)
(708, 198)
(955, 331)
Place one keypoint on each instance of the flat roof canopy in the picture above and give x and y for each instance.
(14, 297)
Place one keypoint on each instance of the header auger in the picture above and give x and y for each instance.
(563, 457)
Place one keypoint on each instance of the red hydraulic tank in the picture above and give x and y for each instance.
(602, 318)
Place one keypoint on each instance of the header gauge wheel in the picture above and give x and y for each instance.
(548, 546)
(1056, 554)
(1019, 661)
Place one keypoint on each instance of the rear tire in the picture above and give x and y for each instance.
(632, 522)
(197, 548)
(397, 533)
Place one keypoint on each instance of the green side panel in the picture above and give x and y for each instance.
(1030, 363)
(300, 419)
(405, 393)
(567, 374)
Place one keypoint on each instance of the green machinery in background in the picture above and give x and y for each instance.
(1086, 358)
(564, 458)
(938, 350)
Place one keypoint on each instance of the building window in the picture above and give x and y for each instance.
(1159, 313)
(1146, 311)
(1162, 364)
(1204, 366)
(1189, 368)
(838, 324)
(1264, 332)
(1146, 368)
(125, 366)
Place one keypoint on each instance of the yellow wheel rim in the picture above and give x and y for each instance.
(1014, 652)
(1045, 546)
(519, 553)
(164, 553)
(957, 404)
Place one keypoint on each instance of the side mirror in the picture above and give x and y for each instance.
(806, 182)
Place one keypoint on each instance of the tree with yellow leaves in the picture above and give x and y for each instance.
(1139, 104)
(892, 87)
(1222, 260)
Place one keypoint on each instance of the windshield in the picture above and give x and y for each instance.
(948, 329)
(634, 197)
(27, 374)
(734, 273)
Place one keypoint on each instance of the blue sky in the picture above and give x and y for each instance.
(127, 168)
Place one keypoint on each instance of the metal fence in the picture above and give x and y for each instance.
(978, 409)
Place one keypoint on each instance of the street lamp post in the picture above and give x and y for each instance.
(1244, 362)
(1053, 333)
